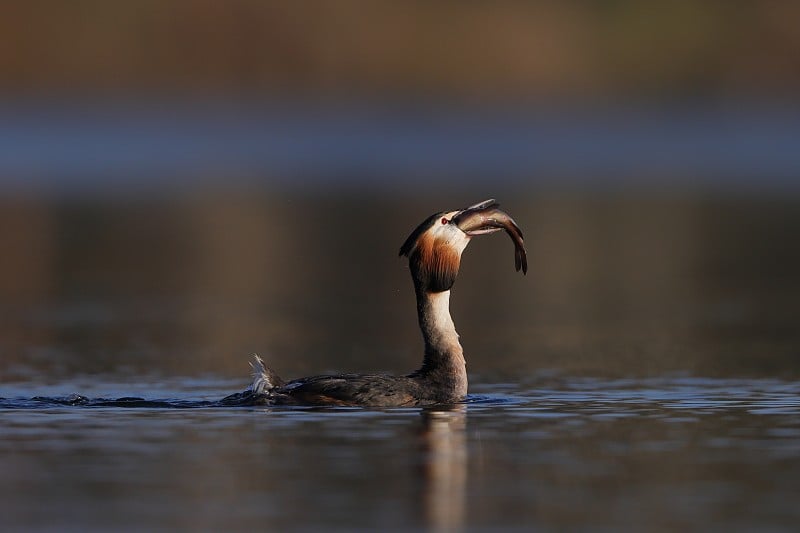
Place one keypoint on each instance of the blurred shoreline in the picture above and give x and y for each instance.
(76, 147)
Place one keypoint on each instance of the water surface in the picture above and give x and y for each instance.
(587, 453)
(643, 376)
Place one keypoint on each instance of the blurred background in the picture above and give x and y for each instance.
(183, 183)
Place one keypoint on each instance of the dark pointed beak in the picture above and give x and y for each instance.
(487, 217)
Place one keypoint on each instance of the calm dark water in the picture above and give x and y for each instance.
(572, 453)
(645, 375)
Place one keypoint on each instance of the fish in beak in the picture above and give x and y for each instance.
(487, 217)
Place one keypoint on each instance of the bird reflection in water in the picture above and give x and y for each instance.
(444, 467)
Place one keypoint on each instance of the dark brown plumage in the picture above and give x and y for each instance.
(434, 253)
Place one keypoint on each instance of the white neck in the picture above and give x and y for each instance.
(444, 358)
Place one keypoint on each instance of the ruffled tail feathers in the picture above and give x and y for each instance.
(261, 391)
(264, 378)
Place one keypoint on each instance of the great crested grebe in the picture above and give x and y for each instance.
(434, 255)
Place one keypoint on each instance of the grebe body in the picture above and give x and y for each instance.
(434, 251)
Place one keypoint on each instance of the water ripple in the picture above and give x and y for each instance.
(597, 397)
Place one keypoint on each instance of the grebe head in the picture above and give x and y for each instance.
(434, 248)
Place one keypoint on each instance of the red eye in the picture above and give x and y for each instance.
(444, 221)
